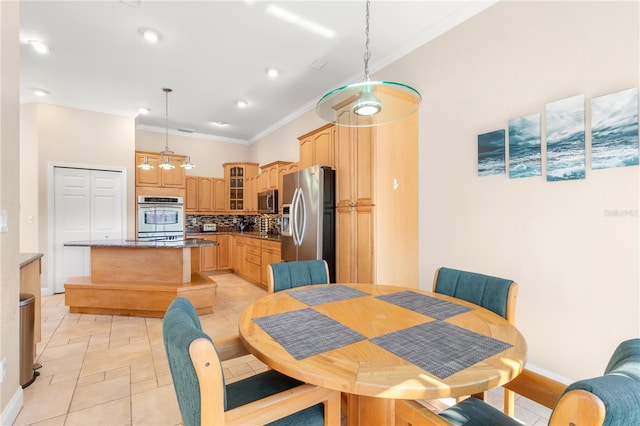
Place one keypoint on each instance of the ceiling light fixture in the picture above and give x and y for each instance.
(219, 123)
(152, 36)
(242, 104)
(372, 102)
(143, 110)
(273, 72)
(39, 46)
(40, 92)
(166, 155)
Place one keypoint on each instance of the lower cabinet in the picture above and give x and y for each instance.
(251, 256)
(215, 258)
(270, 254)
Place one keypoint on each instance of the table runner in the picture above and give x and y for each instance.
(306, 332)
(331, 293)
(426, 305)
(440, 348)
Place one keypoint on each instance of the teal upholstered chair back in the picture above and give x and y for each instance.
(180, 327)
(288, 275)
(618, 388)
(493, 293)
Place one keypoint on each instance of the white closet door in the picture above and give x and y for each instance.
(87, 205)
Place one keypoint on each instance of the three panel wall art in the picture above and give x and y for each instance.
(614, 139)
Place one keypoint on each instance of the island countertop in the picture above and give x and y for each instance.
(180, 244)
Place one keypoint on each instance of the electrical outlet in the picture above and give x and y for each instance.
(235, 220)
(3, 369)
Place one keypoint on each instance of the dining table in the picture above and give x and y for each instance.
(380, 343)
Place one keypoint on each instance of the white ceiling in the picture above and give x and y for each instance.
(212, 53)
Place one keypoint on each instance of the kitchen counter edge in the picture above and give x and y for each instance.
(190, 242)
(256, 235)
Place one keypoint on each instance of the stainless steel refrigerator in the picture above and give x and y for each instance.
(309, 216)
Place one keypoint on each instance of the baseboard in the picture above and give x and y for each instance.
(11, 411)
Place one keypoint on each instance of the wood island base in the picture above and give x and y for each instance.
(135, 299)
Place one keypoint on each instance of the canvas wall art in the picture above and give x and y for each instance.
(614, 130)
(565, 139)
(524, 147)
(491, 153)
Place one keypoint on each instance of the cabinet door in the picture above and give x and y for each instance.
(224, 252)
(344, 169)
(147, 177)
(306, 153)
(205, 195)
(354, 165)
(354, 245)
(345, 247)
(219, 198)
(173, 178)
(250, 195)
(209, 257)
(323, 148)
(191, 194)
(266, 260)
(273, 178)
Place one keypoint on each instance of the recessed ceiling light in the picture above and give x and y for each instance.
(40, 92)
(219, 123)
(39, 46)
(152, 36)
(242, 104)
(273, 72)
(143, 110)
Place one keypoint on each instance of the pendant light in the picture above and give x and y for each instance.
(368, 103)
(166, 155)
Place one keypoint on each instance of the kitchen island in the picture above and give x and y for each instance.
(141, 278)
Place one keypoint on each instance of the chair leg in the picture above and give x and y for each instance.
(509, 402)
(481, 396)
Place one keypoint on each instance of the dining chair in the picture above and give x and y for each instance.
(204, 398)
(612, 399)
(286, 275)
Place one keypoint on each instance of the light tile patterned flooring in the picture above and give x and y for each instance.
(112, 370)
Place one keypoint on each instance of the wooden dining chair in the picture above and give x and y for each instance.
(286, 275)
(612, 399)
(204, 399)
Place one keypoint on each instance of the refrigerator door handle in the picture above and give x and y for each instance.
(294, 217)
(303, 216)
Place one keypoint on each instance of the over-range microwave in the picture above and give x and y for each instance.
(268, 202)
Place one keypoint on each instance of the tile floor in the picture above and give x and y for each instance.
(112, 370)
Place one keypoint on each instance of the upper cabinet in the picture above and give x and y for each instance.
(205, 195)
(318, 147)
(236, 175)
(157, 177)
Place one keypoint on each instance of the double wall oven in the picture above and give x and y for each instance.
(160, 218)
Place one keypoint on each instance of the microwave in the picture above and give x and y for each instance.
(268, 202)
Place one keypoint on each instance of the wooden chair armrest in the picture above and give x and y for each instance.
(412, 413)
(230, 347)
(578, 407)
(538, 388)
(285, 403)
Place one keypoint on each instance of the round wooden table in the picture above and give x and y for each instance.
(372, 376)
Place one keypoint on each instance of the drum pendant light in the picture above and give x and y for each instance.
(372, 102)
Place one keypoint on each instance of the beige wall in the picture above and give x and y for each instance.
(73, 137)
(208, 155)
(576, 265)
(10, 390)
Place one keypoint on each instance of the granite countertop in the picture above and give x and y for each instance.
(250, 234)
(27, 258)
(186, 243)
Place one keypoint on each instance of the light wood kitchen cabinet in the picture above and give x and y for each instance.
(200, 195)
(157, 177)
(270, 253)
(224, 252)
(270, 174)
(219, 195)
(318, 147)
(251, 194)
(248, 258)
(377, 196)
(292, 167)
(235, 175)
(209, 255)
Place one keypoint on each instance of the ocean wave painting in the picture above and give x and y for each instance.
(524, 147)
(491, 153)
(565, 139)
(614, 130)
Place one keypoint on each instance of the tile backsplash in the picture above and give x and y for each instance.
(246, 223)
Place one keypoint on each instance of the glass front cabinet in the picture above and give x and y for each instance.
(236, 175)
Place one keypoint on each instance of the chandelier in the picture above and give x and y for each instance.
(372, 102)
(166, 155)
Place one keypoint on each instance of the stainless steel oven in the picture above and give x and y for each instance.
(160, 218)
